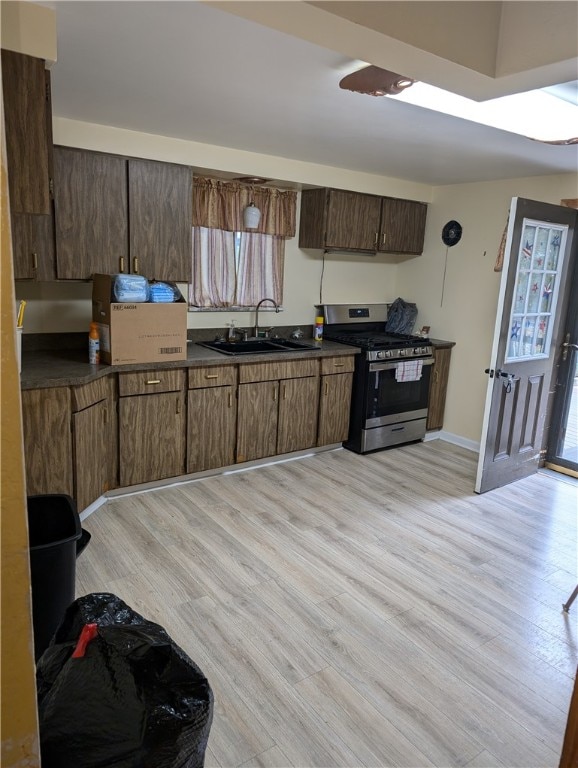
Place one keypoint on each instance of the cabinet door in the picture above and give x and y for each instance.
(212, 423)
(334, 408)
(160, 210)
(438, 387)
(33, 246)
(402, 226)
(151, 437)
(26, 102)
(91, 453)
(298, 407)
(257, 420)
(90, 200)
(352, 221)
(46, 420)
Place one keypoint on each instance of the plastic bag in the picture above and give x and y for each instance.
(132, 289)
(401, 316)
(164, 293)
(131, 699)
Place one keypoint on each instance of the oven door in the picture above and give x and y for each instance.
(389, 401)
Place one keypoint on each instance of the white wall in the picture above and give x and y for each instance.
(59, 307)
(471, 287)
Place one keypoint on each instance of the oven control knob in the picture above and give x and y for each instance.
(418, 351)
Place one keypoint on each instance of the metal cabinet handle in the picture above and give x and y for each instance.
(34, 261)
(154, 381)
(284, 392)
(566, 346)
(178, 404)
(275, 394)
(375, 242)
(135, 265)
(383, 239)
(121, 264)
(339, 365)
(326, 388)
(211, 376)
(230, 399)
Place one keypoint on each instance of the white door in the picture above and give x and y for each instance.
(540, 247)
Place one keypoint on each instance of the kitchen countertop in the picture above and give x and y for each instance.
(68, 367)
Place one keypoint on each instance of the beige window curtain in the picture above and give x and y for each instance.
(220, 205)
(260, 269)
(229, 276)
(214, 272)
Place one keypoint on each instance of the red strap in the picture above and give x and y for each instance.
(88, 633)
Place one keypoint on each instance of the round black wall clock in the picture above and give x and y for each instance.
(452, 233)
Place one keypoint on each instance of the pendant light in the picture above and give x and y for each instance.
(251, 216)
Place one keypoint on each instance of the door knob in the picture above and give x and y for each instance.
(566, 346)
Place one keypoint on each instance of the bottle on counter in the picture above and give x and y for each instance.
(318, 329)
(93, 344)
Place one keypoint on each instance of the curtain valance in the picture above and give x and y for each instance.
(220, 204)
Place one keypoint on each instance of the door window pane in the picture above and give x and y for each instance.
(539, 263)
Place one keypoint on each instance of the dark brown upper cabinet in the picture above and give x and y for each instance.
(27, 113)
(402, 227)
(28, 126)
(161, 219)
(118, 214)
(91, 213)
(338, 220)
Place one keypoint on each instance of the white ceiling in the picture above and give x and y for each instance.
(193, 71)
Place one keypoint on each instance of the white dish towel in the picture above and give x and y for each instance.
(409, 370)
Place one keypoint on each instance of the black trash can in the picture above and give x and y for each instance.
(55, 539)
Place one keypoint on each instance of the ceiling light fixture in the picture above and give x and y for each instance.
(251, 179)
(537, 115)
(375, 81)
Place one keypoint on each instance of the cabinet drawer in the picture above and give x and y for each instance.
(88, 394)
(149, 382)
(215, 376)
(342, 364)
(290, 369)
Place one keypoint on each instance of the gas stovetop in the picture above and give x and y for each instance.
(380, 345)
(375, 339)
(365, 326)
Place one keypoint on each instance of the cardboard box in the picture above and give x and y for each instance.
(137, 333)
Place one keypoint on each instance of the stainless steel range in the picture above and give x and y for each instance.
(391, 379)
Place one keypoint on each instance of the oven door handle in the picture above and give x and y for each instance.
(394, 364)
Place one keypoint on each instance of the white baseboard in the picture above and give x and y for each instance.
(449, 437)
(170, 482)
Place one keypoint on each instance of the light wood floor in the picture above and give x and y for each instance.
(360, 610)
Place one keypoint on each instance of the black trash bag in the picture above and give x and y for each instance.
(401, 317)
(132, 698)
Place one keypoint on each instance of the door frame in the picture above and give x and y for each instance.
(563, 381)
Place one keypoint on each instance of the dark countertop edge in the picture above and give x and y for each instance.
(67, 368)
(440, 343)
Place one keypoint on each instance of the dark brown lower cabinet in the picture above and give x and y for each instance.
(438, 387)
(151, 437)
(257, 420)
(334, 408)
(91, 449)
(212, 426)
(46, 415)
(95, 440)
(298, 408)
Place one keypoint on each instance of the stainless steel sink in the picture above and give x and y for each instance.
(256, 346)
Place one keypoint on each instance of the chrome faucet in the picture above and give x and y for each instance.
(256, 329)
